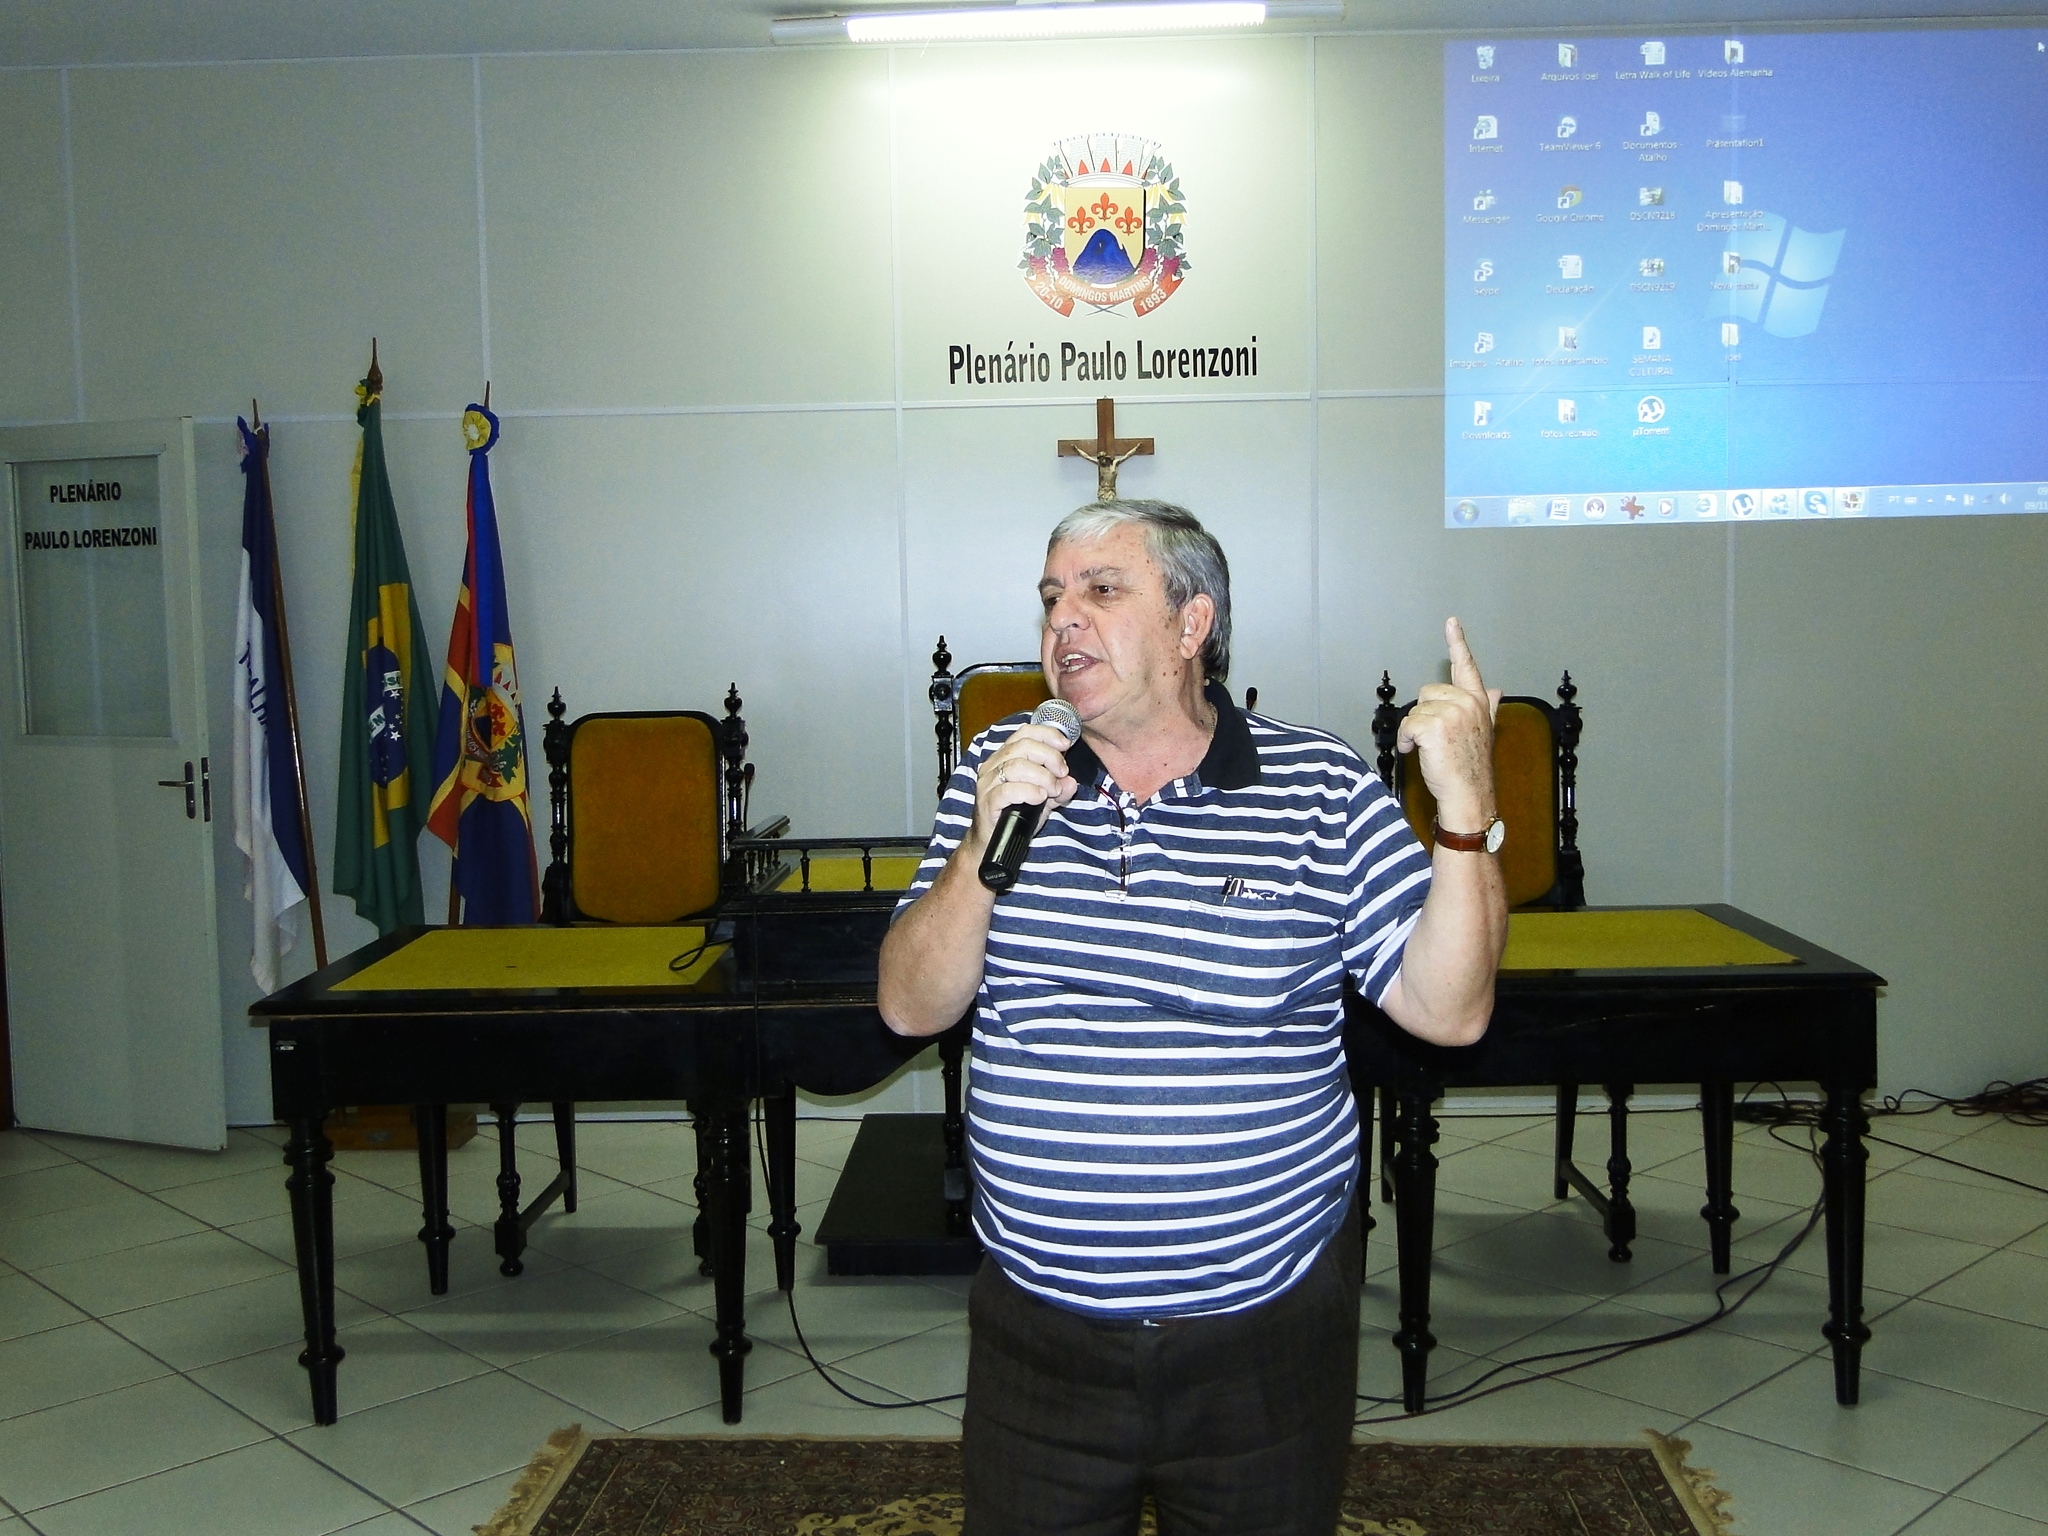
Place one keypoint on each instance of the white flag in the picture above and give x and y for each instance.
(262, 738)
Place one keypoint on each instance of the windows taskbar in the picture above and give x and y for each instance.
(1760, 505)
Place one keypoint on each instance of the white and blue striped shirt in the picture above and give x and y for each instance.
(1159, 1119)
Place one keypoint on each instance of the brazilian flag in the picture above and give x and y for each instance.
(387, 704)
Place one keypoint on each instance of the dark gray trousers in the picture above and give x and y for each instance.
(1237, 1424)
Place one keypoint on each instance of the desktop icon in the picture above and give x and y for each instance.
(1778, 503)
(1567, 55)
(1567, 411)
(1731, 193)
(1704, 505)
(1649, 197)
(1485, 53)
(1571, 268)
(1667, 506)
(1731, 333)
(1569, 197)
(1483, 342)
(1482, 272)
(1649, 409)
(1815, 503)
(1481, 201)
(1520, 508)
(1731, 263)
(1731, 52)
(1596, 507)
(1482, 413)
(1632, 507)
(1742, 503)
(1653, 338)
(1560, 509)
(1854, 503)
(1567, 126)
(1653, 55)
(1487, 127)
(1650, 266)
(1467, 512)
(1567, 338)
(1652, 126)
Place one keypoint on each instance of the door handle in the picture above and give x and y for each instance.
(186, 784)
(206, 789)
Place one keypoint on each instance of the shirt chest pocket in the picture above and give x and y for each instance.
(1238, 912)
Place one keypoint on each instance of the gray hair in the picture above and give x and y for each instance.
(1186, 553)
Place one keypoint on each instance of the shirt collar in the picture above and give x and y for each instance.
(1232, 761)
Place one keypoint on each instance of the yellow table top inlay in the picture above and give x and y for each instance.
(487, 959)
(1650, 939)
(841, 872)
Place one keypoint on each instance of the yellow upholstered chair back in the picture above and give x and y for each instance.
(995, 693)
(644, 816)
(1525, 788)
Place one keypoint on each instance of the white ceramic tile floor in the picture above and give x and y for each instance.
(149, 1329)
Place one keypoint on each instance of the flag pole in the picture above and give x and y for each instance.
(291, 708)
(454, 855)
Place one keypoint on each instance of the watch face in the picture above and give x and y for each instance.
(1496, 834)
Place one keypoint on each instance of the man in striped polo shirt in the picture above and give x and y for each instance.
(1162, 1133)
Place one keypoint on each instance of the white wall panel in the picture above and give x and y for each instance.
(1379, 212)
(245, 230)
(35, 298)
(1891, 731)
(689, 229)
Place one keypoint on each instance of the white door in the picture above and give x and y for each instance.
(106, 857)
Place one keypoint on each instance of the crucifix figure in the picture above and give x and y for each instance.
(1106, 450)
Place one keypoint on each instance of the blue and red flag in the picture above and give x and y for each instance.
(480, 807)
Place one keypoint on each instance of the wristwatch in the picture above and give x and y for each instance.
(1486, 841)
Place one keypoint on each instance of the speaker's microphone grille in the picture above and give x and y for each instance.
(1060, 715)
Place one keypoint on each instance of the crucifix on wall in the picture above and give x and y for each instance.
(1105, 450)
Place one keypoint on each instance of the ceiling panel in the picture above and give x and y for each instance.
(50, 32)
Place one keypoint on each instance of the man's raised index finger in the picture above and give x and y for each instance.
(1464, 670)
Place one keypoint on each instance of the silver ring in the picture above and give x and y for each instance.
(1003, 775)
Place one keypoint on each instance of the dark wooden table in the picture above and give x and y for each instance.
(791, 1004)
(1811, 1021)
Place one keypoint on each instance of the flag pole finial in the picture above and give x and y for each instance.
(255, 416)
(376, 374)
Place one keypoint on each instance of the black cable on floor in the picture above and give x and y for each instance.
(761, 1147)
(2019, 1103)
(1600, 1353)
(2024, 1103)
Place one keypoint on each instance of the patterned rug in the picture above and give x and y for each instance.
(660, 1485)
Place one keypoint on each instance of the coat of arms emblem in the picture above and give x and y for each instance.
(1103, 225)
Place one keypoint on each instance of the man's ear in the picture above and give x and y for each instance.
(1197, 618)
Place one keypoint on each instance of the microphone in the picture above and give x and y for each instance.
(1005, 856)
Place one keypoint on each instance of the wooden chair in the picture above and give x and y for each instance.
(1535, 761)
(643, 809)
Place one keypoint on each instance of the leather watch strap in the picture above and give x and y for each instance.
(1466, 842)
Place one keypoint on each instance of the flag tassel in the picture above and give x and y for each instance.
(291, 715)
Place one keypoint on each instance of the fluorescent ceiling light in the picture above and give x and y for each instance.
(1026, 21)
